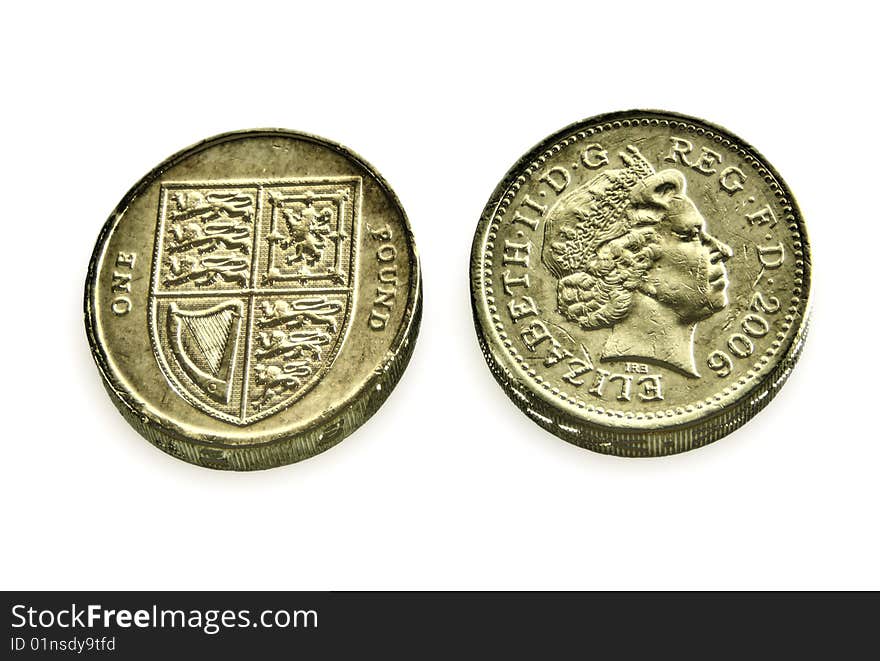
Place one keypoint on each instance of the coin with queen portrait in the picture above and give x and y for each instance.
(640, 283)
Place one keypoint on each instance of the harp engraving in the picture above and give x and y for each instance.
(204, 344)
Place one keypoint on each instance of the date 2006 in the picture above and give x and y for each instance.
(741, 345)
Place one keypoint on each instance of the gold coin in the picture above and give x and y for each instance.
(253, 299)
(640, 283)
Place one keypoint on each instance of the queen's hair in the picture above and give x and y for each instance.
(600, 240)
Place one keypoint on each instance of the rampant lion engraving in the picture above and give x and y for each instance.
(307, 232)
(306, 235)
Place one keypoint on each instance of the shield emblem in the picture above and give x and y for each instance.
(251, 289)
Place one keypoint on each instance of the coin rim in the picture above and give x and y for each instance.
(664, 438)
(209, 450)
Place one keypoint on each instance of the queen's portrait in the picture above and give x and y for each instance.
(631, 252)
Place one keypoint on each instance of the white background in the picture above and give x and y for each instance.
(448, 486)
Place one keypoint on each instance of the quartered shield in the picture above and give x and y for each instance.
(251, 289)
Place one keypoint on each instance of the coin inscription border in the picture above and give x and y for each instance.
(511, 191)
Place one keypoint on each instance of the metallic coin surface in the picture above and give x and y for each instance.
(640, 283)
(253, 299)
